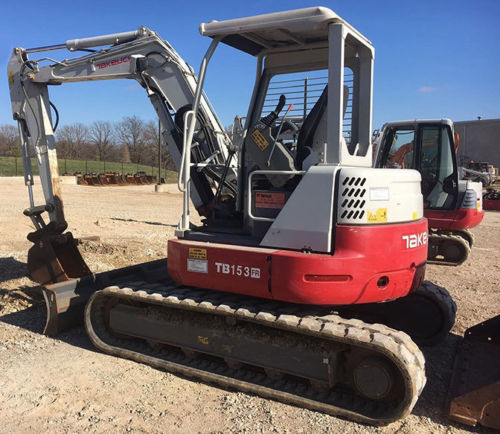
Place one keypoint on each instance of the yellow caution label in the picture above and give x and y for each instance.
(377, 217)
(197, 253)
(11, 75)
(414, 215)
(203, 340)
(260, 140)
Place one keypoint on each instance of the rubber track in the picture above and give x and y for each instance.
(466, 234)
(441, 298)
(395, 345)
(440, 238)
(394, 313)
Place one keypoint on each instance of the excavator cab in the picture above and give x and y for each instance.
(429, 149)
(311, 106)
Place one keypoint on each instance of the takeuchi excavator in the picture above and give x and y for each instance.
(309, 262)
(451, 205)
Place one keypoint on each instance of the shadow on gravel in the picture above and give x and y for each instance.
(32, 318)
(142, 221)
(11, 268)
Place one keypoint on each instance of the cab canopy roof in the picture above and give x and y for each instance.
(295, 28)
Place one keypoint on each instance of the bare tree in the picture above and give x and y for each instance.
(101, 135)
(73, 141)
(131, 133)
(9, 140)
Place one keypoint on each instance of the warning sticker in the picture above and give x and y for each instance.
(269, 200)
(197, 253)
(378, 217)
(414, 215)
(197, 265)
(260, 140)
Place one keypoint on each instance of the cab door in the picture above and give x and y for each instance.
(437, 165)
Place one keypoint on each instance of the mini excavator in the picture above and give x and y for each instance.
(298, 229)
(451, 205)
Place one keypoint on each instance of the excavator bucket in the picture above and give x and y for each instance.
(65, 301)
(55, 258)
(475, 385)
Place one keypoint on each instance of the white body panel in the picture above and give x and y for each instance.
(377, 196)
(305, 222)
(365, 196)
(478, 188)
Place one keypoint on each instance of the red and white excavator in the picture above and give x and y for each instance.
(297, 234)
(451, 205)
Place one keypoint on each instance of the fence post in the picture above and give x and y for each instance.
(159, 152)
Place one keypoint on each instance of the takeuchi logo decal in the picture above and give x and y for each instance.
(114, 62)
(414, 240)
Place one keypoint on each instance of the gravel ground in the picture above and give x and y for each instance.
(63, 385)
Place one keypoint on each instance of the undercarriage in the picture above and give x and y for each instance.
(448, 247)
(314, 359)
(351, 361)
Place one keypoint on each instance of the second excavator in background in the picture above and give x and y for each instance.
(451, 205)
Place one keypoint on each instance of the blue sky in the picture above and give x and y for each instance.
(433, 59)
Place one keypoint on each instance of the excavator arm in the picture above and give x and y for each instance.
(170, 84)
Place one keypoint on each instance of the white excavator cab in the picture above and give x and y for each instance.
(322, 69)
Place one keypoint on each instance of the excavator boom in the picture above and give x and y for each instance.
(170, 85)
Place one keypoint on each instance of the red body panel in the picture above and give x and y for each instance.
(454, 220)
(491, 204)
(371, 264)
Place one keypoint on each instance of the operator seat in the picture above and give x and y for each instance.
(309, 127)
(314, 125)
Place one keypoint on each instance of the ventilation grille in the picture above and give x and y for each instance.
(469, 199)
(352, 198)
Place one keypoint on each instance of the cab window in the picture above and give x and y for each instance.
(401, 152)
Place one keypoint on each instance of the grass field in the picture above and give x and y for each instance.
(13, 166)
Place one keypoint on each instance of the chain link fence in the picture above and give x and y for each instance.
(13, 166)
